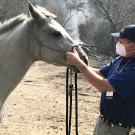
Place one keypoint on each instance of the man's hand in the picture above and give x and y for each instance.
(73, 57)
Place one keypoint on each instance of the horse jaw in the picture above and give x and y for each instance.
(52, 56)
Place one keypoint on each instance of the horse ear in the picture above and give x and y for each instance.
(35, 13)
(46, 12)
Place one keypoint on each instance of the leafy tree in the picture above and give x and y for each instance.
(10, 8)
(110, 16)
(117, 13)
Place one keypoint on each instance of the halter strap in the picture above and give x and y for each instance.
(43, 45)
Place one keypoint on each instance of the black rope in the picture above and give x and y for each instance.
(70, 111)
(67, 76)
(76, 104)
(69, 96)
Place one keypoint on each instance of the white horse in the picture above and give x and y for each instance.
(24, 40)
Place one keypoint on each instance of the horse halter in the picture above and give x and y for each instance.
(80, 50)
(39, 55)
(43, 45)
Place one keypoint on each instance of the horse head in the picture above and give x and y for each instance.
(52, 40)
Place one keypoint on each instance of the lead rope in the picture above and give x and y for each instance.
(69, 96)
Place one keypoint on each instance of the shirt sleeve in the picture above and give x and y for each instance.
(123, 83)
(104, 71)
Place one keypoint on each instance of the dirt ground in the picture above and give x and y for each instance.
(37, 105)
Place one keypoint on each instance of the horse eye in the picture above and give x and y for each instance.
(57, 34)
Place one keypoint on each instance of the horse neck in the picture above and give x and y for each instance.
(15, 59)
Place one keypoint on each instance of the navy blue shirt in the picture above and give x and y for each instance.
(120, 106)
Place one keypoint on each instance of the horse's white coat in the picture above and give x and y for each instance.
(34, 38)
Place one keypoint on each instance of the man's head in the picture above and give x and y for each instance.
(126, 41)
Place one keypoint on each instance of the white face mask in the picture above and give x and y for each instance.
(120, 49)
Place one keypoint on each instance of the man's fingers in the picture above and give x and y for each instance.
(74, 50)
(68, 53)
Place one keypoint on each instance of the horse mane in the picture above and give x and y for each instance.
(11, 23)
(15, 21)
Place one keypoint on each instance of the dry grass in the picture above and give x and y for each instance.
(37, 105)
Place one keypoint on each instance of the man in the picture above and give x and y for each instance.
(116, 82)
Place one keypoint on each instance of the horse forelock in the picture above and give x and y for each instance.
(11, 23)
